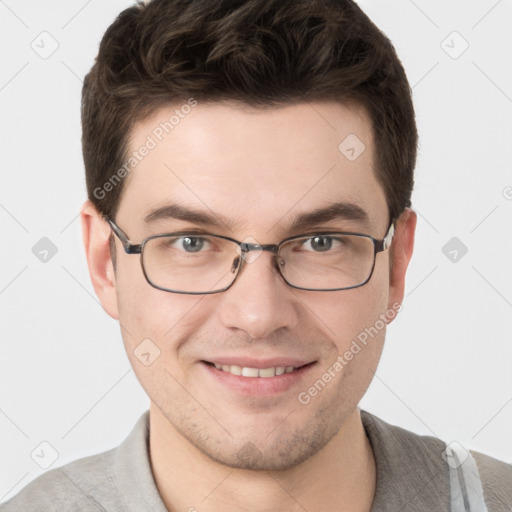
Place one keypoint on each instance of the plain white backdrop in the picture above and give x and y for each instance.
(446, 369)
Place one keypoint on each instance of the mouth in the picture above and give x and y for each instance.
(247, 371)
(258, 378)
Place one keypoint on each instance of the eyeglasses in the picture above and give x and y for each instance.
(198, 264)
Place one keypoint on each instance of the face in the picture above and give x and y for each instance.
(255, 172)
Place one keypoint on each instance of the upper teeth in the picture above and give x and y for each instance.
(254, 372)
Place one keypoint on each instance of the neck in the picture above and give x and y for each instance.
(340, 477)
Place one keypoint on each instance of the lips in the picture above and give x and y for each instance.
(256, 377)
(262, 369)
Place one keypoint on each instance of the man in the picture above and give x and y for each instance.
(249, 168)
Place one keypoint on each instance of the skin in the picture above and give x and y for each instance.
(259, 169)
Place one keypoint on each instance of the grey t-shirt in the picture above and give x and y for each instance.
(412, 476)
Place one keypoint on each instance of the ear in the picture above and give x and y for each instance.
(401, 253)
(96, 233)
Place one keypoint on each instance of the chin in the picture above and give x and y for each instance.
(282, 449)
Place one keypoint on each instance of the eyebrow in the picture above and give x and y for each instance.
(334, 211)
(178, 212)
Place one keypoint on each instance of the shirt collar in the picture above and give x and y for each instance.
(133, 473)
(411, 473)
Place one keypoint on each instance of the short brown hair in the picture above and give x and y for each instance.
(259, 52)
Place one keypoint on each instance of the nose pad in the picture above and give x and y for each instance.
(278, 265)
(236, 262)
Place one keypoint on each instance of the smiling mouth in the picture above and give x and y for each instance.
(244, 371)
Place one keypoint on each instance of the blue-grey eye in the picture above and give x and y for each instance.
(319, 243)
(192, 244)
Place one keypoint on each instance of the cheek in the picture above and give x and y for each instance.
(343, 315)
(167, 319)
(365, 320)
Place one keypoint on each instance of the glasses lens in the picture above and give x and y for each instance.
(195, 263)
(190, 263)
(327, 261)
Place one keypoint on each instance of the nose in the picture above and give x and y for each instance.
(259, 302)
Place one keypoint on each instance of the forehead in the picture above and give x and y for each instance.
(259, 167)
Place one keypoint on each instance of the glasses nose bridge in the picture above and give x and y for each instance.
(246, 247)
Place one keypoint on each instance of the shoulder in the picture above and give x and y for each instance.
(496, 477)
(116, 480)
(79, 485)
(408, 454)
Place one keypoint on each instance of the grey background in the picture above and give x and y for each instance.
(446, 368)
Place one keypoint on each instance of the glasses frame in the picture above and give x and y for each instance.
(131, 248)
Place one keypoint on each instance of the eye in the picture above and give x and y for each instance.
(190, 244)
(320, 243)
